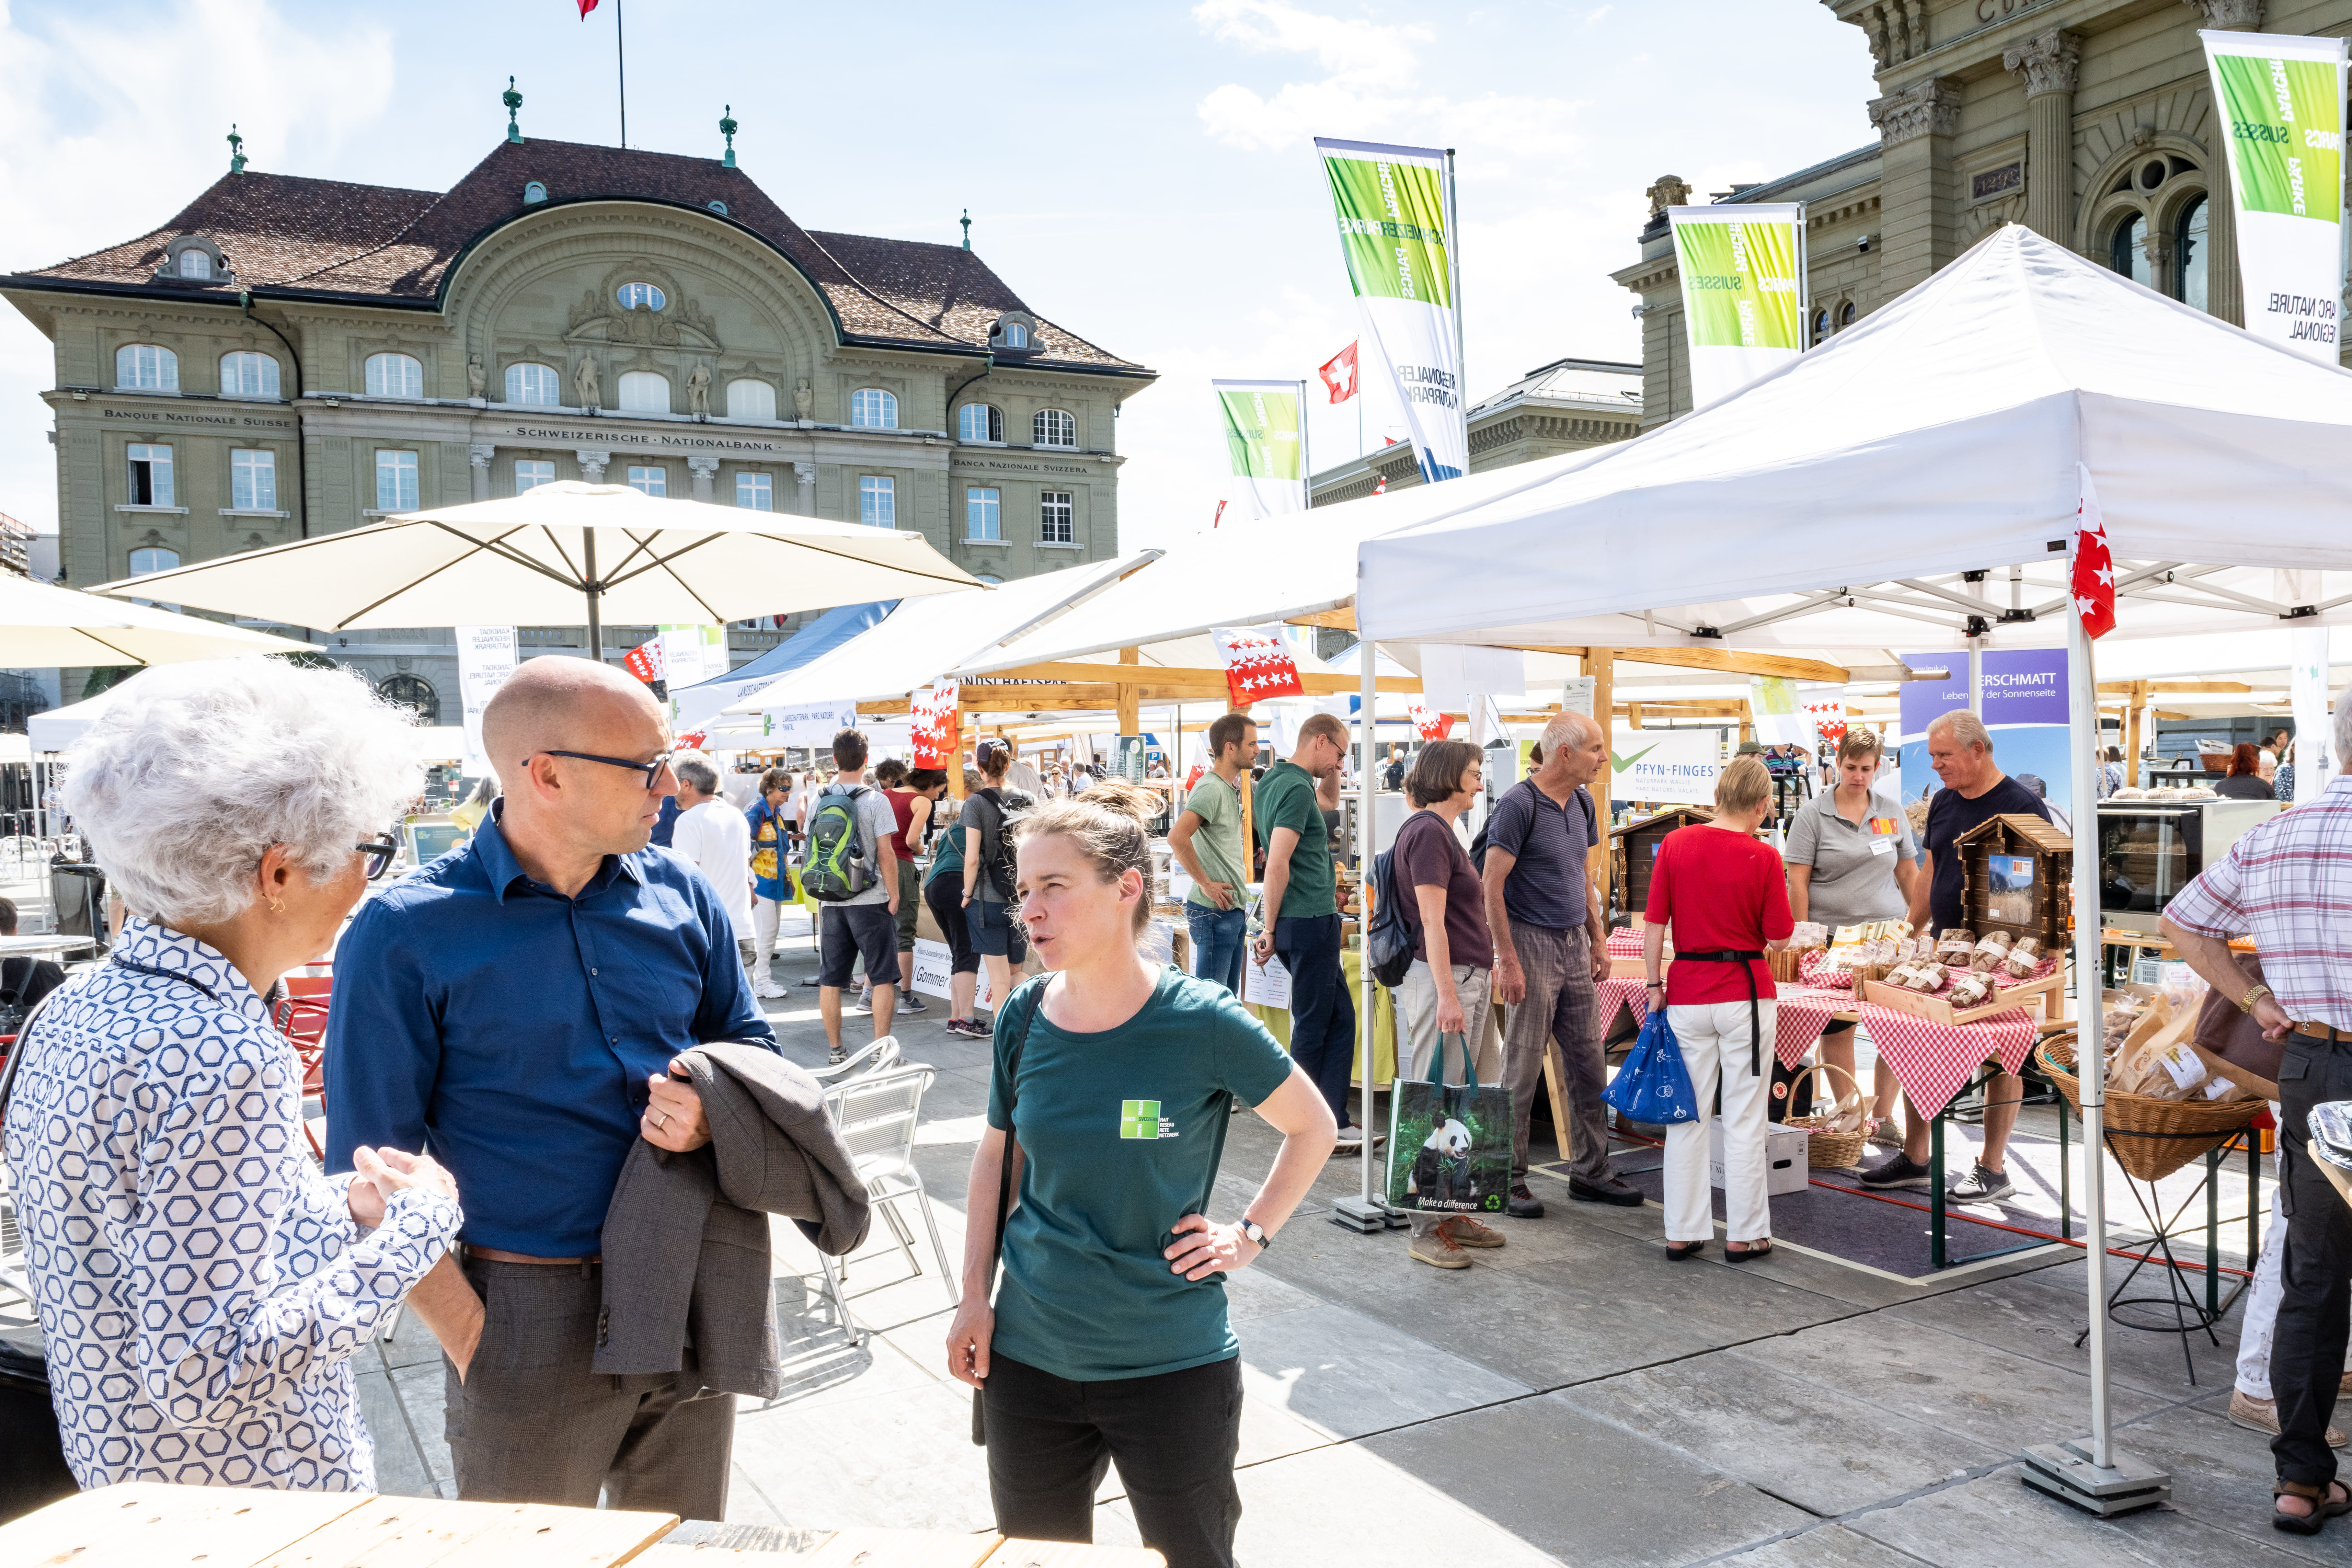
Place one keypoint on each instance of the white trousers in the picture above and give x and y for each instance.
(2259, 1324)
(765, 913)
(1714, 1039)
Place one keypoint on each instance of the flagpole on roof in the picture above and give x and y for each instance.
(621, 53)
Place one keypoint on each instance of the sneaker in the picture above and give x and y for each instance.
(1886, 1135)
(1615, 1190)
(1439, 1250)
(1982, 1186)
(910, 1003)
(1352, 1142)
(767, 990)
(1523, 1203)
(835, 1057)
(811, 981)
(2262, 1416)
(965, 1028)
(1468, 1232)
(1900, 1172)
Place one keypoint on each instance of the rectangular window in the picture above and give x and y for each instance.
(755, 492)
(652, 481)
(150, 476)
(395, 481)
(533, 472)
(983, 517)
(1057, 522)
(878, 501)
(253, 481)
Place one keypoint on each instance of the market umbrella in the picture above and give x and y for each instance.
(558, 554)
(43, 627)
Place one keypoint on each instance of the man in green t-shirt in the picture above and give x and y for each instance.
(1207, 842)
(1302, 914)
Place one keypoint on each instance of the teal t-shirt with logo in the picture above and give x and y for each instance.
(1121, 1133)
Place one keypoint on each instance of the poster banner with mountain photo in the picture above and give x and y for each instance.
(1742, 305)
(2281, 115)
(1396, 225)
(1262, 423)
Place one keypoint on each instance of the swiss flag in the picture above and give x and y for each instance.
(1433, 726)
(645, 661)
(2094, 585)
(586, 7)
(1380, 485)
(1340, 376)
(1258, 668)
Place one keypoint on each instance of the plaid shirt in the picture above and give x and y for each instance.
(2288, 883)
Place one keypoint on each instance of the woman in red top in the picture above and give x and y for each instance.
(1727, 895)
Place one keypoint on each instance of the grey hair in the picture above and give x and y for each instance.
(694, 768)
(1967, 729)
(2342, 728)
(1572, 730)
(194, 772)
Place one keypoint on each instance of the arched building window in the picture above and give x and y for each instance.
(645, 391)
(145, 367)
(2190, 231)
(394, 376)
(247, 374)
(413, 691)
(750, 400)
(871, 408)
(529, 383)
(980, 422)
(2127, 248)
(1054, 427)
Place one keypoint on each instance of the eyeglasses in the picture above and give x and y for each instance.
(651, 769)
(380, 853)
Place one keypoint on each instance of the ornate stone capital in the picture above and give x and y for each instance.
(806, 472)
(2231, 16)
(592, 463)
(1930, 107)
(482, 452)
(1671, 191)
(2049, 61)
(707, 468)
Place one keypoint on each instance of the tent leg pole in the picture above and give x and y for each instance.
(1976, 676)
(595, 593)
(1362, 1213)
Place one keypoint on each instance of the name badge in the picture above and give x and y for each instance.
(1882, 847)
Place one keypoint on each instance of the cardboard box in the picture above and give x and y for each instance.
(1787, 1167)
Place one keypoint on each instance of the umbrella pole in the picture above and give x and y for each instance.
(595, 591)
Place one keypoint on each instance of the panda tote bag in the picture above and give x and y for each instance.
(1449, 1143)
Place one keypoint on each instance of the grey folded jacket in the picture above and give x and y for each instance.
(685, 1237)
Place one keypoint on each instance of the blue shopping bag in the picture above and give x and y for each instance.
(1653, 1085)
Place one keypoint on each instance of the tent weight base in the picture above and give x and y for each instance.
(2066, 1471)
(1367, 1219)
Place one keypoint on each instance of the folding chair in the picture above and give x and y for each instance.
(876, 1114)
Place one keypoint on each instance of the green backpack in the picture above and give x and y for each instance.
(840, 861)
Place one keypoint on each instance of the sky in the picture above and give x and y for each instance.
(1141, 174)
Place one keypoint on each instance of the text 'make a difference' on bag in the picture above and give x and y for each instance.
(1450, 1144)
(840, 862)
(1653, 1085)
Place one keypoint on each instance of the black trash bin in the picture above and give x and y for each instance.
(78, 894)
(36, 1472)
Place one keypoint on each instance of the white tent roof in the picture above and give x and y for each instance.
(923, 639)
(1937, 437)
(59, 728)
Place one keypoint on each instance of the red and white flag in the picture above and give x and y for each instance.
(1381, 486)
(1219, 517)
(1829, 719)
(1432, 726)
(2093, 585)
(1193, 777)
(645, 661)
(1258, 668)
(935, 726)
(694, 741)
(586, 7)
(1340, 376)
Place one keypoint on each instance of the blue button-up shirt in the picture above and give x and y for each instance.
(510, 1030)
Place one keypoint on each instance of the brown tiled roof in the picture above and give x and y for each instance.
(282, 234)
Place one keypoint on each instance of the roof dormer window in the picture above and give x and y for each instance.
(534, 193)
(193, 258)
(196, 264)
(1015, 331)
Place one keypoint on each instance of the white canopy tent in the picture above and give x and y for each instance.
(1844, 500)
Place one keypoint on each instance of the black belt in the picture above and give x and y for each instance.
(1747, 960)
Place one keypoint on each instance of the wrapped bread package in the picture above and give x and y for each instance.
(1926, 977)
(1988, 955)
(1902, 975)
(1955, 945)
(2025, 957)
(1973, 989)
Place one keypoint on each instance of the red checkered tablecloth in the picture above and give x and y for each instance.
(1624, 942)
(1798, 1021)
(1932, 1061)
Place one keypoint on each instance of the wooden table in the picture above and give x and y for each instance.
(146, 1525)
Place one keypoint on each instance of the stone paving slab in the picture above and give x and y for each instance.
(2038, 1316)
(1830, 1546)
(1997, 1522)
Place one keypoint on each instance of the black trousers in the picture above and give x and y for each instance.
(2315, 1273)
(1173, 1436)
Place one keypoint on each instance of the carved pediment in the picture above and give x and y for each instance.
(598, 317)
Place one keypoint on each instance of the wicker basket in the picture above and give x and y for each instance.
(2150, 1137)
(1827, 1151)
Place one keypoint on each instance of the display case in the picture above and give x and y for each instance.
(2150, 849)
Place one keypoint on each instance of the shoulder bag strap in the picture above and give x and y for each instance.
(1004, 1181)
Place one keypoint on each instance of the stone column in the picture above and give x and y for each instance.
(2222, 285)
(805, 502)
(705, 474)
(481, 452)
(2049, 62)
(592, 463)
(1915, 132)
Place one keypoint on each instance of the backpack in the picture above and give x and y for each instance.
(1003, 873)
(1388, 941)
(1478, 845)
(840, 861)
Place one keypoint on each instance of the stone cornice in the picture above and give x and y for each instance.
(2231, 16)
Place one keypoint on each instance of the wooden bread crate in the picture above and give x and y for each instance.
(2051, 988)
(2043, 904)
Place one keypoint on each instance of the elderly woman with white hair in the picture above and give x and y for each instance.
(201, 1285)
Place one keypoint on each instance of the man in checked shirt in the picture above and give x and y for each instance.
(2288, 884)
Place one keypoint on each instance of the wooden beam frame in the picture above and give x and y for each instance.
(1170, 678)
(1734, 661)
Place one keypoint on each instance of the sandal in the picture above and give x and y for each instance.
(1756, 1250)
(2327, 1502)
(1678, 1251)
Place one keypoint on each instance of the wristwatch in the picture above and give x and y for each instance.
(1256, 1233)
(2246, 1003)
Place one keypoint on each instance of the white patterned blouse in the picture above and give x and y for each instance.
(201, 1285)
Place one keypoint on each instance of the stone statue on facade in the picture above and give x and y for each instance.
(804, 399)
(1671, 191)
(697, 390)
(584, 382)
(475, 379)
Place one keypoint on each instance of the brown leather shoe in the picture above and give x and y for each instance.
(2262, 1416)
(1439, 1250)
(1467, 1232)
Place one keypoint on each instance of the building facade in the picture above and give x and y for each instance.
(1564, 406)
(292, 356)
(2091, 122)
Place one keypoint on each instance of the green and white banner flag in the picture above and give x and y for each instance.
(1741, 301)
(1396, 229)
(2282, 103)
(1261, 421)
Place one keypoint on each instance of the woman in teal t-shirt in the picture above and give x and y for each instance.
(1109, 1340)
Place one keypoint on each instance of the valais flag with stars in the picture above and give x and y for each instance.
(1258, 668)
(645, 661)
(1340, 376)
(2095, 565)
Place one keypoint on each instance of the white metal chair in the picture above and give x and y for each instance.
(876, 1114)
(879, 1057)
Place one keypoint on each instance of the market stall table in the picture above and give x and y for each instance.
(1800, 1018)
(1384, 1018)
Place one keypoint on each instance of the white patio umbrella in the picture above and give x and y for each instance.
(42, 627)
(558, 554)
